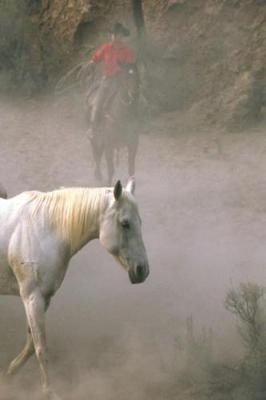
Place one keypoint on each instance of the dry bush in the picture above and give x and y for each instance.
(246, 303)
(204, 378)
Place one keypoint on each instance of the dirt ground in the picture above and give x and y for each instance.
(202, 198)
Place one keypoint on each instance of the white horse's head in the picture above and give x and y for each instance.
(120, 232)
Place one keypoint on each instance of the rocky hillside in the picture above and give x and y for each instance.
(204, 57)
(218, 49)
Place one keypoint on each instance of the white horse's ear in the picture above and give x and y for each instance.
(131, 185)
(118, 190)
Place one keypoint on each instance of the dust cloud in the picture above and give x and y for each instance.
(202, 200)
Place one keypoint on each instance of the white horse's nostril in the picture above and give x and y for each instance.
(140, 272)
(137, 274)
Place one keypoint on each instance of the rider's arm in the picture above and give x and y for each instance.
(99, 54)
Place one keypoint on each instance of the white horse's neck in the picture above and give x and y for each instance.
(84, 223)
(74, 214)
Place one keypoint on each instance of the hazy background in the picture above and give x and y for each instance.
(202, 200)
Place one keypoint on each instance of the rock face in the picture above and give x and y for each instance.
(218, 50)
(209, 55)
(50, 35)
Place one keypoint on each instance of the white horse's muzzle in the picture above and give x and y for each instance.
(139, 273)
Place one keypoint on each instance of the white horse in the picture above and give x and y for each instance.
(39, 234)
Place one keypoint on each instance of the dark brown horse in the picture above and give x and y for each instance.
(118, 123)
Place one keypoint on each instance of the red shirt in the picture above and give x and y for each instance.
(112, 55)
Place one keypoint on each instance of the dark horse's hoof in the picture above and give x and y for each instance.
(98, 174)
(3, 192)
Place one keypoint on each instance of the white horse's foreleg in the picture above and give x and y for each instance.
(35, 306)
(23, 357)
(25, 354)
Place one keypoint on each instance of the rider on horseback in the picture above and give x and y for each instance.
(113, 54)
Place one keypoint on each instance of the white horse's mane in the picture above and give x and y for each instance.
(72, 212)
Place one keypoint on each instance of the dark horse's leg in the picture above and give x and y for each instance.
(132, 147)
(97, 151)
(97, 124)
(109, 155)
